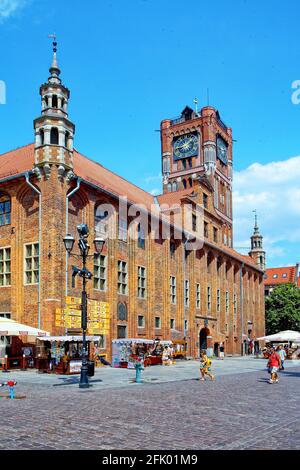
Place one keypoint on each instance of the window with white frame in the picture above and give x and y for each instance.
(226, 301)
(101, 221)
(198, 299)
(234, 305)
(122, 228)
(100, 272)
(141, 282)
(31, 263)
(186, 293)
(173, 289)
(122, 277)
(5, 267)
(208, 298)
(218, 300)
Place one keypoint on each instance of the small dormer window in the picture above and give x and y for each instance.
(275, 276)
(284, 275)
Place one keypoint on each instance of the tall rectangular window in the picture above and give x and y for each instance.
(206, 229)
(122, 277)
(100, 272)
(186, 293)
(205, 199)
(198, 303)
(227, 301)
(141, 237)
(194, 222)
(218, 300)
(31, 263)
(5, 267)
(141, 282)
(216, 193)
(157, 322)
(234, 305)
(172, 324)
(215, 235)
(141, 321)
(5, 210)
(122, 225)
(208, 298)
(173, 290)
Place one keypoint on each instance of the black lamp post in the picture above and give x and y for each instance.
(84, 247)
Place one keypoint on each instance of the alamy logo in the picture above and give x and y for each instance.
(296, 94)
(2, 92)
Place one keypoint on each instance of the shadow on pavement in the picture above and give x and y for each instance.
(73, 381)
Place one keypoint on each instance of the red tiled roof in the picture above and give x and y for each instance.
(174, 197)
(16, 161)
(20, 160)
(283, 275)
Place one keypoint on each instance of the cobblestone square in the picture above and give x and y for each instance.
(240, 410)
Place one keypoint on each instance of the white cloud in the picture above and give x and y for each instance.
(273, 190)
(9, 8)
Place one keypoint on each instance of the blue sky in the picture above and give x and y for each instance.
(130, 64)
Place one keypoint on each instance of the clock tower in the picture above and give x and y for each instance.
(196, 152)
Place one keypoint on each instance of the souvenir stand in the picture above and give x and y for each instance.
(126, 351)
(62, 354)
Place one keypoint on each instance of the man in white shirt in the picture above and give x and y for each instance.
(282, 355)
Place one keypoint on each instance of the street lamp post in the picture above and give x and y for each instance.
(84, 247)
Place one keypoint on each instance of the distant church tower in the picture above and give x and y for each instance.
(54, 132)
(257, 252)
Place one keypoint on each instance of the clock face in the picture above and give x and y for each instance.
(185, 146)
(222, 150)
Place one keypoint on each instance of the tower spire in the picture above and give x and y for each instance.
(257, 252)
(54, 69)
(256, 229)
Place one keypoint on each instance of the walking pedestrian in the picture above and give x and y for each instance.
(274, 364)
(222, 351)
(282, 355)
(205, 367)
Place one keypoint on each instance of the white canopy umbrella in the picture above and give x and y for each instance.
(10, 327)
(287, 335)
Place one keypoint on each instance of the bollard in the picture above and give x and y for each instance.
(24, 363)
(138, 372)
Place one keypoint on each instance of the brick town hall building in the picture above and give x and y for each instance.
(154, 287)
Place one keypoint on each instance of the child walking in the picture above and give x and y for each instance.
(205, 366)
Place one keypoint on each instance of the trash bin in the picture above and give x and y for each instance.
(91, 368)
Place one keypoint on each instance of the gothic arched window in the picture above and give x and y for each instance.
(190, 182)
(54, 136)
(174, 186)
(101, 220)
(169, 187)
(5, 209)
(42, 136)
(54, 101)
(67, 135)
(184, 184)
(122, 312)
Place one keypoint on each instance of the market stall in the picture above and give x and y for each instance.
(126, 351)
(17, 343)
(62, 354)
(288, 338)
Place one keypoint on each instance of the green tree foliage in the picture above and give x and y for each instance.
(283, 309)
